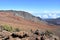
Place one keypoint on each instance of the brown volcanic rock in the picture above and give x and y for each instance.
(21, 34)
(5, 34)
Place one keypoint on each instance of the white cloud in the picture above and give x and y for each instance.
(53, 15)
(46, 13)
(50, 15)
(45, 16)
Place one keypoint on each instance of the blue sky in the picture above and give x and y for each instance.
(41, 8)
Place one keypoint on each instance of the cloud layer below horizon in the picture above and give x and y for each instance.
(47, 14)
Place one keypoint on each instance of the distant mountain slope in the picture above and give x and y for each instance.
(24, 21)
(21, 18)
(53, 21)
(24, 15)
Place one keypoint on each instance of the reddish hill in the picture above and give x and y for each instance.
(16, 21)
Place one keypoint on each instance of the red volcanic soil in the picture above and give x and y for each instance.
(23, 24)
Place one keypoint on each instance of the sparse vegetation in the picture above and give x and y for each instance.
(17, 29)
(8, 28)
(47, 32)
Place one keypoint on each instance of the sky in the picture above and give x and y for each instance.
(41, 8)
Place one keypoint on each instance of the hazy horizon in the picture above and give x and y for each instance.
(41, 8)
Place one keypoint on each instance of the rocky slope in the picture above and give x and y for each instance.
(15, 20)
(24, 15)
(26, 35)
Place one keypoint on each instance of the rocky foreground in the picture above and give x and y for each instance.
(26, 35)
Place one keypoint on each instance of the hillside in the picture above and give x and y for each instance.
(23, 14)
(8, 17)
(54, 21)
(20, 20)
